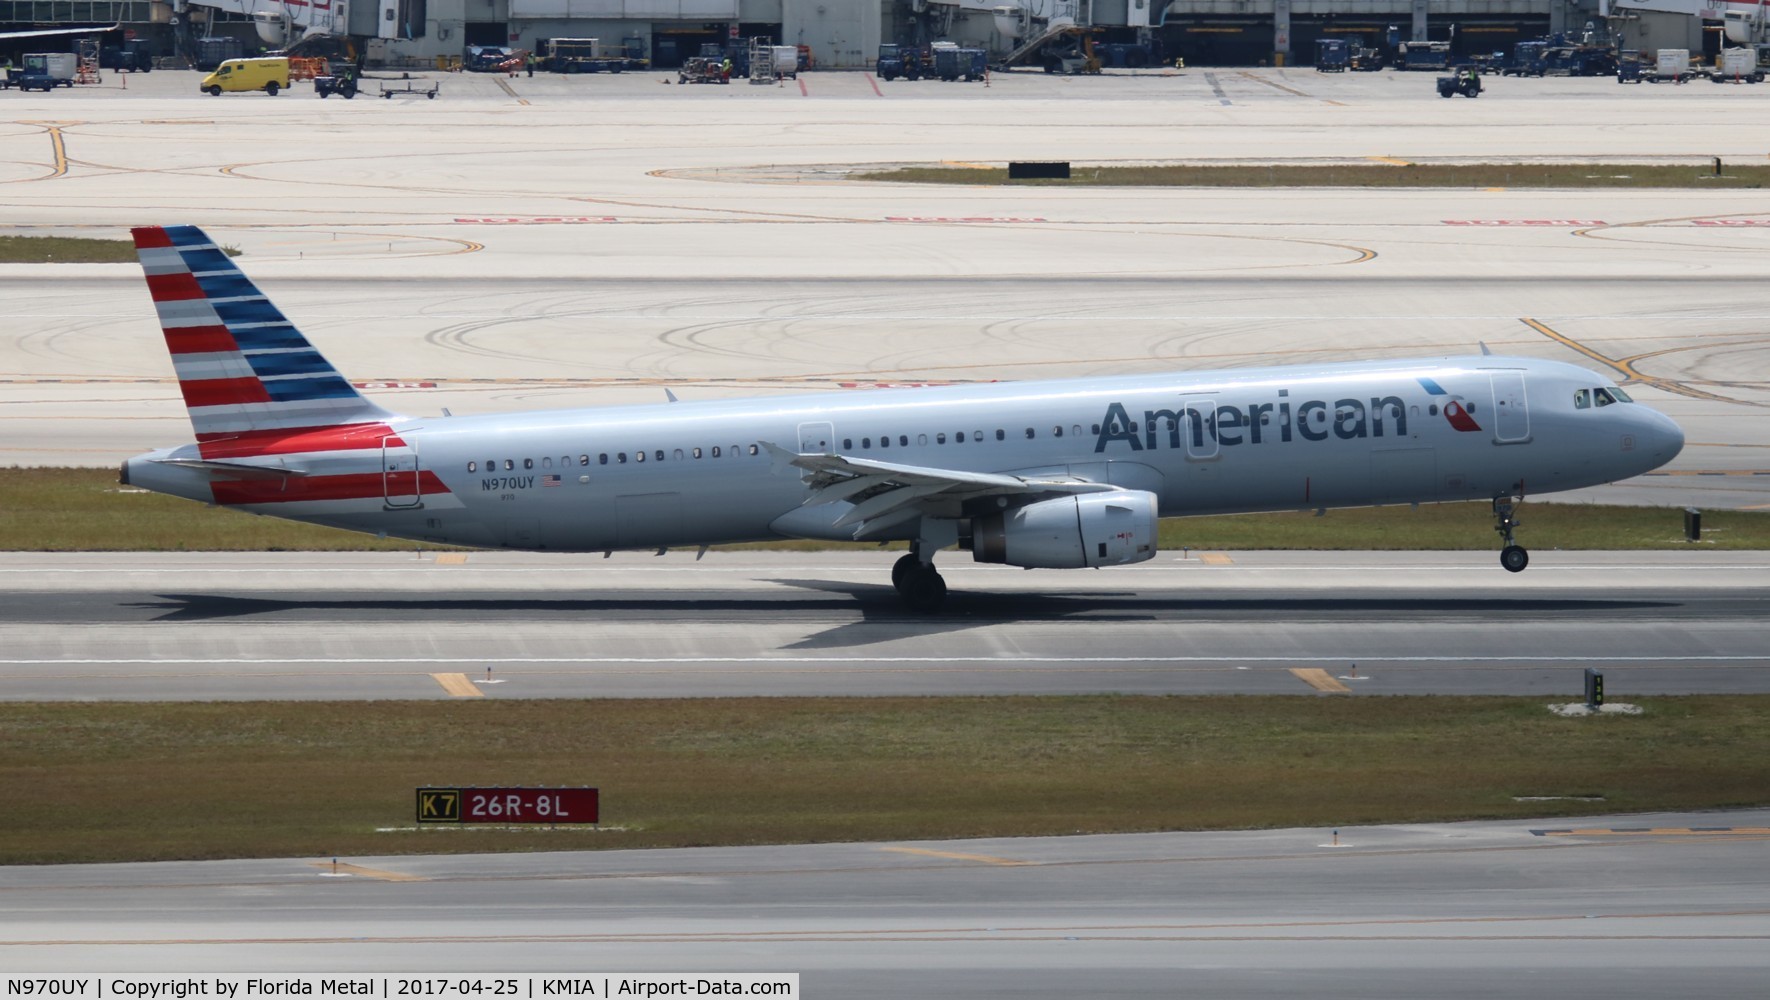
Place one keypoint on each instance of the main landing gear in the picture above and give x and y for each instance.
(918, 582)
(1513, 557)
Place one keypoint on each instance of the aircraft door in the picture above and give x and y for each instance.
(1511, 420)
(399, 473)
(817, 439)
(1200, 431)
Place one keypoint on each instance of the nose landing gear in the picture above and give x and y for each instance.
(1513, 557)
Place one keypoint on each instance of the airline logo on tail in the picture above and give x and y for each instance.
(1453, 408)
(260, 396)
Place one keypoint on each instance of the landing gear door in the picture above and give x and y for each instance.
(1511, 411)
(399, 473)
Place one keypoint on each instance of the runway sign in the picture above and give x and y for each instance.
(508, 805)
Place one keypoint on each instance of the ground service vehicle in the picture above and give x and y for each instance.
(582, 55)
(487, 58)
(343, 84)
(1466, 83)
(132, 56)
(703, 69)
(954, 64)
(1670, 66)
(1332, 55)
(1527, 59)
(895, 61)
(1056, 474)
(269, 74)
(1425, 55)
(1738, 66)
(44, 70)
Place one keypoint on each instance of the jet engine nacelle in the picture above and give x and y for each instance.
(1090, 529)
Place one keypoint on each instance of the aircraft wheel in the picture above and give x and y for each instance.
(923, 589)
(901, 570)
(1514, 558)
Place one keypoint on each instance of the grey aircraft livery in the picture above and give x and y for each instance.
(1056, 474)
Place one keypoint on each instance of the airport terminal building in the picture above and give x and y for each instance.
(846, 34)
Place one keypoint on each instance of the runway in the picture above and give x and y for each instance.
(1601, 906)
(512, 625)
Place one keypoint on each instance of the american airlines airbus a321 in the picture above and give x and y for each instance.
(1054, 475)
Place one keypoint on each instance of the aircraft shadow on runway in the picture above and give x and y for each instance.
(882, 618)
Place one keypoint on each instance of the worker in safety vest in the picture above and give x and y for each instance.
(531, 63)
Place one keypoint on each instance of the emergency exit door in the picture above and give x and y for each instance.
(817, 439)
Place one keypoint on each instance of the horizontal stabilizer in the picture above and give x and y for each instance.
(234, 470)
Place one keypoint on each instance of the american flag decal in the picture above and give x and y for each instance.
(549, 480)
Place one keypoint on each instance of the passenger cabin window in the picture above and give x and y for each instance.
(1001, 435)
(472, 466)
(903, 441)
(866, 443)
(847, 444)
(547, 463)
(885, 442)
(509, 465)
(1582, 399)
(639, 456)
(755, 450)
(602, 459)
(676, 454)
(1030, 433)
(697, 453)
(715, 451)
(940, 439)
(1057, 432)
(921, 439)
(659, 454)
(621, 458)
(585, 459)
(528, 463)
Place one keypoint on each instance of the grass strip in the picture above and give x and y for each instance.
(134, 782)
(71, 250)
(1357, 175)
(79, 510)
(65, 250)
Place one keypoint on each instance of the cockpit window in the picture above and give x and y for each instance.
(1602, 396)
(1621, 396)
(1582, 399)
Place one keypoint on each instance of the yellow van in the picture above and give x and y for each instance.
(269, 75)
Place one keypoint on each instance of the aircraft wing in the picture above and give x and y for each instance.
(885, 494)
(6, 36)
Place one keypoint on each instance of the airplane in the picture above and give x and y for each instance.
(1058, 474)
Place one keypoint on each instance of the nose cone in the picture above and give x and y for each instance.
(1662, 438)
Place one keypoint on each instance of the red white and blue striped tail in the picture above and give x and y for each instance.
(243, 367)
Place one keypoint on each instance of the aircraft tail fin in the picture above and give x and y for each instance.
(246, 372)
